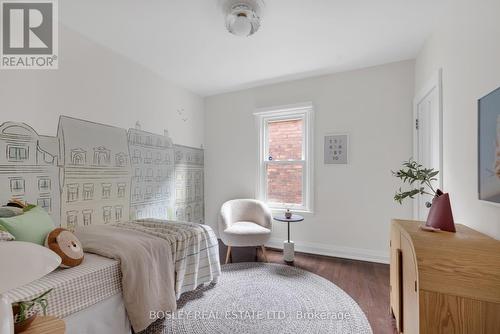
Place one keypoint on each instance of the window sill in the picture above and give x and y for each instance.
(299, 211)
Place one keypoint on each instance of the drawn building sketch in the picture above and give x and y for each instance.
(152, 186)
(29, 167)
(96, 182)
(189, 201)
(93, 173)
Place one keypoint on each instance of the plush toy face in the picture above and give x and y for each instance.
(66, 245)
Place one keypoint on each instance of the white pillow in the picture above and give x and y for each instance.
(24, 262)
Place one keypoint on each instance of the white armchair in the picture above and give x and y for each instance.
(244, 223)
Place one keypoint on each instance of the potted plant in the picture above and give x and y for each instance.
(420, 180)
(25, 311)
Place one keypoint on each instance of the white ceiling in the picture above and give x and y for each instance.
(185, 41)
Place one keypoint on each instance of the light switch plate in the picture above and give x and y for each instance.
(336, 148)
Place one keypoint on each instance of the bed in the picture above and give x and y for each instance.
(90, 297)
(78, 291)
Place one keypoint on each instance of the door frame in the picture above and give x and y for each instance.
(435, 82)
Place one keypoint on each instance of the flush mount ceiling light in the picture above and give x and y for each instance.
(243, 16)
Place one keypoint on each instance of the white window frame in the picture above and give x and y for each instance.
(263, 116)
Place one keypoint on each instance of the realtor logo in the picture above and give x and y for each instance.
(29, 38)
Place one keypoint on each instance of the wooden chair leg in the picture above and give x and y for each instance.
(264, 253)
(228, 254)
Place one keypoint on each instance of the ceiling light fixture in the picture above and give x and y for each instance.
(243, 17)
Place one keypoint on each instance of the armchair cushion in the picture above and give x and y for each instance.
(243, 228)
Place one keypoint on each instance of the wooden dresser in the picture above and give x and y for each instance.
(444, 282)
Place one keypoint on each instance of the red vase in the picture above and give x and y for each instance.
(440, 215)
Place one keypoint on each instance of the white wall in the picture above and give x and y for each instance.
(97, 84)
(353, 203)
(467, 46)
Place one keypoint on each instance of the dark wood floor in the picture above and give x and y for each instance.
(367, 283)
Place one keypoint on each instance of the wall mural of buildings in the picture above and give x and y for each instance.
(189, 203)
(96, 170)
(29, 167)
(152, 160)
(94, 173)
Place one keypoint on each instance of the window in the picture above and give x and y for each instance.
(43, 184)
(121, 190)
(136, 158)
(285, 175)
(17, 153)
(44, 203)
(179, 213)
(120, 159)
(101, 156)
(87, 217)
(137, 193)
(149, 193)
(198, 183)
(118, 213)
(148, 157)
(72, 220)
(17, 185)
(88, 191)
(106, 190)
(188, 213)
(106, 214)
(72, 192)
(78, 156)
(137, 174)
(189, 192)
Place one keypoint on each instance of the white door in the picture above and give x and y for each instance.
(427, 148)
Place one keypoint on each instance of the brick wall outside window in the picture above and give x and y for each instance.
(285, 139)
(284, 181)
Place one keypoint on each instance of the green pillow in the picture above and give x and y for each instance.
(32, 226)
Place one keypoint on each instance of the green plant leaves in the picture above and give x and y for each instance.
(26, 306)
(415, 173)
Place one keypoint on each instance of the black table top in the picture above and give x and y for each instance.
(294, 219)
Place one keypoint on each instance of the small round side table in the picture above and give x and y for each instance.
(288, 245)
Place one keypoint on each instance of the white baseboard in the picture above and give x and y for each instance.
(335, 251)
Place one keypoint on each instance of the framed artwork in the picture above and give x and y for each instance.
(336, 149)
(489, 147)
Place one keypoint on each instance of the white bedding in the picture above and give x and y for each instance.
(108, 316)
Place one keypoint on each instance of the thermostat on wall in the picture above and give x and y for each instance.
(336, 149)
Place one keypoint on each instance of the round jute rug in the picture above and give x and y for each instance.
(265, 298)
